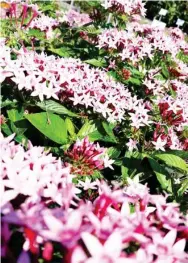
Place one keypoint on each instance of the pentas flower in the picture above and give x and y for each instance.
(108, 253)
(31, 173)
(159, 144)
(131, 47)
(95, 226)
(44, 23)
(86, 157)
(75, 19)
(132, 145)
(140, 41)
(132, 7)
(73, 81)
(88, 184)
(20, 10)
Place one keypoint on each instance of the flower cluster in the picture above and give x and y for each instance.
(31, 173)
(140, 41)
(72, 80)
(75, 19)
(130, 47)
(45, 24)
(132, 7)
(87, 157)
(101, 231)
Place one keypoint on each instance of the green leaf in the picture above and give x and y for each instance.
(183, 187)
(134, 81)
(113, 152)
(165, 71)
(172, 160)
(181, 154)
(91, 30)
(37, 33)
(63, 51)
(109, 130)
(86, 129)
(6, 102)
(131, 161)
(96, 62)
(70, 127)
(51, 125)
(6, 129)
(161, 174)
(97, 136)
(124, 173)
(15, 115)
(55, 107)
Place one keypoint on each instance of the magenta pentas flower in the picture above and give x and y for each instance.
(86, 157)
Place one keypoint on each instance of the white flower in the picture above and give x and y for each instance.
(88, 184)
(159, 144)
(108, 162)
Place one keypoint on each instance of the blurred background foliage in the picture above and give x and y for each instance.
(176, 9)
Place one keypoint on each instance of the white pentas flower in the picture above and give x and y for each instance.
(132, 145)
(47, 76)
(108, 162)
(88, 184)
(159, 144)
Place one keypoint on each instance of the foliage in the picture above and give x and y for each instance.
(93, 108)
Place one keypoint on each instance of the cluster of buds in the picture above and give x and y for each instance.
(86, 157)
(169, 116)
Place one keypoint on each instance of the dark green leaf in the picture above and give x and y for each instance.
(36, 33)
(113, 152)
(109, 130)
(161, 174)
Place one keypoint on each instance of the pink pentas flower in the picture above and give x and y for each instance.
(31, 172)
(167, 249)
(108, 253)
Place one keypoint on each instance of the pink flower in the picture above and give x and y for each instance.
(109, 252)
(166, 248)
